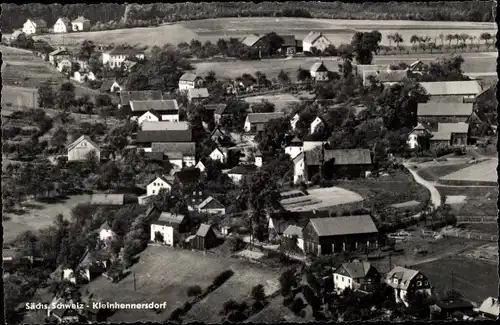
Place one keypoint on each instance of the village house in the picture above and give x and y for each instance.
(59, 55)
(213, 107)
(289, 46)
(338, 234)
(343, 162)
(111, 86)
(64, 66)
(116, 57)
(220, 113)
(16, 34)
(109, 200)
(277, 224)
(35, 26)
(255, 122)
(417, 67)
(431, 114)
(179, 154)
(165, 109)
(80, 24)
(220, 154)
(217, 134)
(445, 308)
(200, 165)
(293, 121)
(490, 308)
(257, 158)
(191, 177)
(356, 276)
(149, 116)
(157, 185)
(256, 42)
(319, 72)
(150, 125)
(197, 94)
(294, 148)
(238, 173)
(466, 89)
(190, 81)
(383, 74)
(105, 232)
(205, 238)
(419, 137)
(83, 76)
(318, 125)
(404, 280)
(62, 25)
(145, 95)
(211, 206)
(80, 149)
(451, 134)
(317, 40)
(293, 231)
(167, 228)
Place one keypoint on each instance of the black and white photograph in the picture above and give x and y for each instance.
(249, 162)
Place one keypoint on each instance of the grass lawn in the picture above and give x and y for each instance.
(18, 97)
(479, 201)
(38, 215)
(481, 172)
(434, 173)
(484, 228)
(280, 101)
(164, 274)
(322, 198)
(476, 280)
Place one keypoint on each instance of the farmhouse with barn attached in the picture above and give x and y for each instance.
(317, 40)
(356, 275)
(145, 95)
(62, 25)
(80, 24)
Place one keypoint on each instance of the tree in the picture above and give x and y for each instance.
(258, 293)
(486, 37)
(449, 38)
(414, 40)
(66, 96)
(398, 39)
(365, 44)
(46, 95)
(287, 281)
(264, 106)
(283, 78)
(87, 49)
(194, 291)
(210, 79)
(441, 38)
(59, 138)
(303, 75)
(270, 140)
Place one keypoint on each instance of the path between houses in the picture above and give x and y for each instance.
(435, 196)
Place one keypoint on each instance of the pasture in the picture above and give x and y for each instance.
(321, 198)
(38, 215)
(481, 172)
(164, 275)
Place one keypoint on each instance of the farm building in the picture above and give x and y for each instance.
(430, 114)
(163, 126)
(294, 231)
(145, 139)
(190, 81)
(329, 235)
(220, 112)
(220, 154)
(242, 171)
(419, 137)
(276, 226)
(446, 307)
(144, 95)
(117, 56)
(64, 66)
(490, 308)
(180, 154)
(319, 71)
(451, 134)
(111, 86)
(167, 108)
(217, 134)
(167, 228)
(107, 199)
(204, 238)
(80, 149)
(417, 67)
(386, 76)
(80, 24)
(289, 46)
(211, 206)
(35, 26)
(256, 42)
(255, 122)
(59, 55)
(105, 232)
(62, 25)
(201, 166)
(403, 280)
(467, 89)
(356, 275)
(157, 185)
(293, 121)
(317, 40)
(16, 34)
(197, 94)
(344, 162)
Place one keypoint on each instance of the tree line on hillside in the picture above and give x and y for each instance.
(111, 16)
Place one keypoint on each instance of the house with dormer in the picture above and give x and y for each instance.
(403, 280)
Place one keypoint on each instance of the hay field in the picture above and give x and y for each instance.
(481, 172)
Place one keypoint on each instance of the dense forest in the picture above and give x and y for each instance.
(13, 16)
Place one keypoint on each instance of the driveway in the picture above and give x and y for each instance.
(435, 196)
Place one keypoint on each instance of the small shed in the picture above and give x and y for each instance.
(205, 238)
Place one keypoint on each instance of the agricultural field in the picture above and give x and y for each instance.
(481, 172)
(38, 215)
(14, 98)
(321, 198)
(163, 275)
(479, 201)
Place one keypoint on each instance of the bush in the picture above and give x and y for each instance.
(187, 306)
(229, 306)
(316, 179)
(223, 277)
(176, 314)
(194, 291)
(258, 293)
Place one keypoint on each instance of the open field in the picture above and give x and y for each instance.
(38, 215)
(434, 173)
(163, 275)
(479, 201)
(480, 172)
(476, 280)
(321, 198)
(19, 97)
(281, 101)
(487, 252)
(484, 228)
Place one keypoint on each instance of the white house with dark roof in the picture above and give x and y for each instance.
(157, 185)
(190, 81)
(201, 166)
(220, 154)
(294, 148)
(317, 125)
(80, 24)
(403, 280)
(490, 308)
(197, 94)
(355, 275)
(317, 40)
(168, 109)
(80, 149)
(62, 25)
(255, 122)
(293, 121)
(105, 232)
(417, 136)
(167, 227)
(211, 206)
(117, 56)
(60, 54)
(149, 116)
(319, 71)
(417, 67)
(35, 26)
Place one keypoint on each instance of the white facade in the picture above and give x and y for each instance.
(189, 161)
(317, 125)
(166, 231)
(321, 44)
(293, 151)
(116, 60)
(61, 27)
(170, 117)
(106, 234)
(248, 126)
(80, 26)
(412, 141)
(299, 171)
(82, 76)
(185, 85)
(148, 116)
(200, 166)
(342, 282)
(217, 154)
(294, 120)
(258, 161)
(154, 187)
(64, 64)
(236, 178)
(29, 27)
(176, 162)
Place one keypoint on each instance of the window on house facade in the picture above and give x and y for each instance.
(426, 283)
(419, 283)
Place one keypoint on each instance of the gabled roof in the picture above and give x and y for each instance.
(356, 270)
(80, 139)
(444, 109)
(296, 141)
(243, 170)
(288, 40)
(337, 226)
(105, 226)
(154, 113)
(164, 136)
(164, 125)
(39, 23)
(107, 199)
(80, 19)
(210, 203)
(415, 64)
(162, 178)
(143, 95)
(490, 306)
(185, 148)
(261, 118)
(157, 105)
(188, 77)
(154, 156)
(312, 37)
(404, 276)
(170, 218)
(173, 155)
(453, 127)
(318, 67)
(293, 230)
(65, 20)
(203, 230)
(420, 127)
(188, 175)
(444, 88)
(62, 51)
(217, 108)
(124, 51)
(198, 93)
(107, 83)
(251, 39)
(349, 156)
